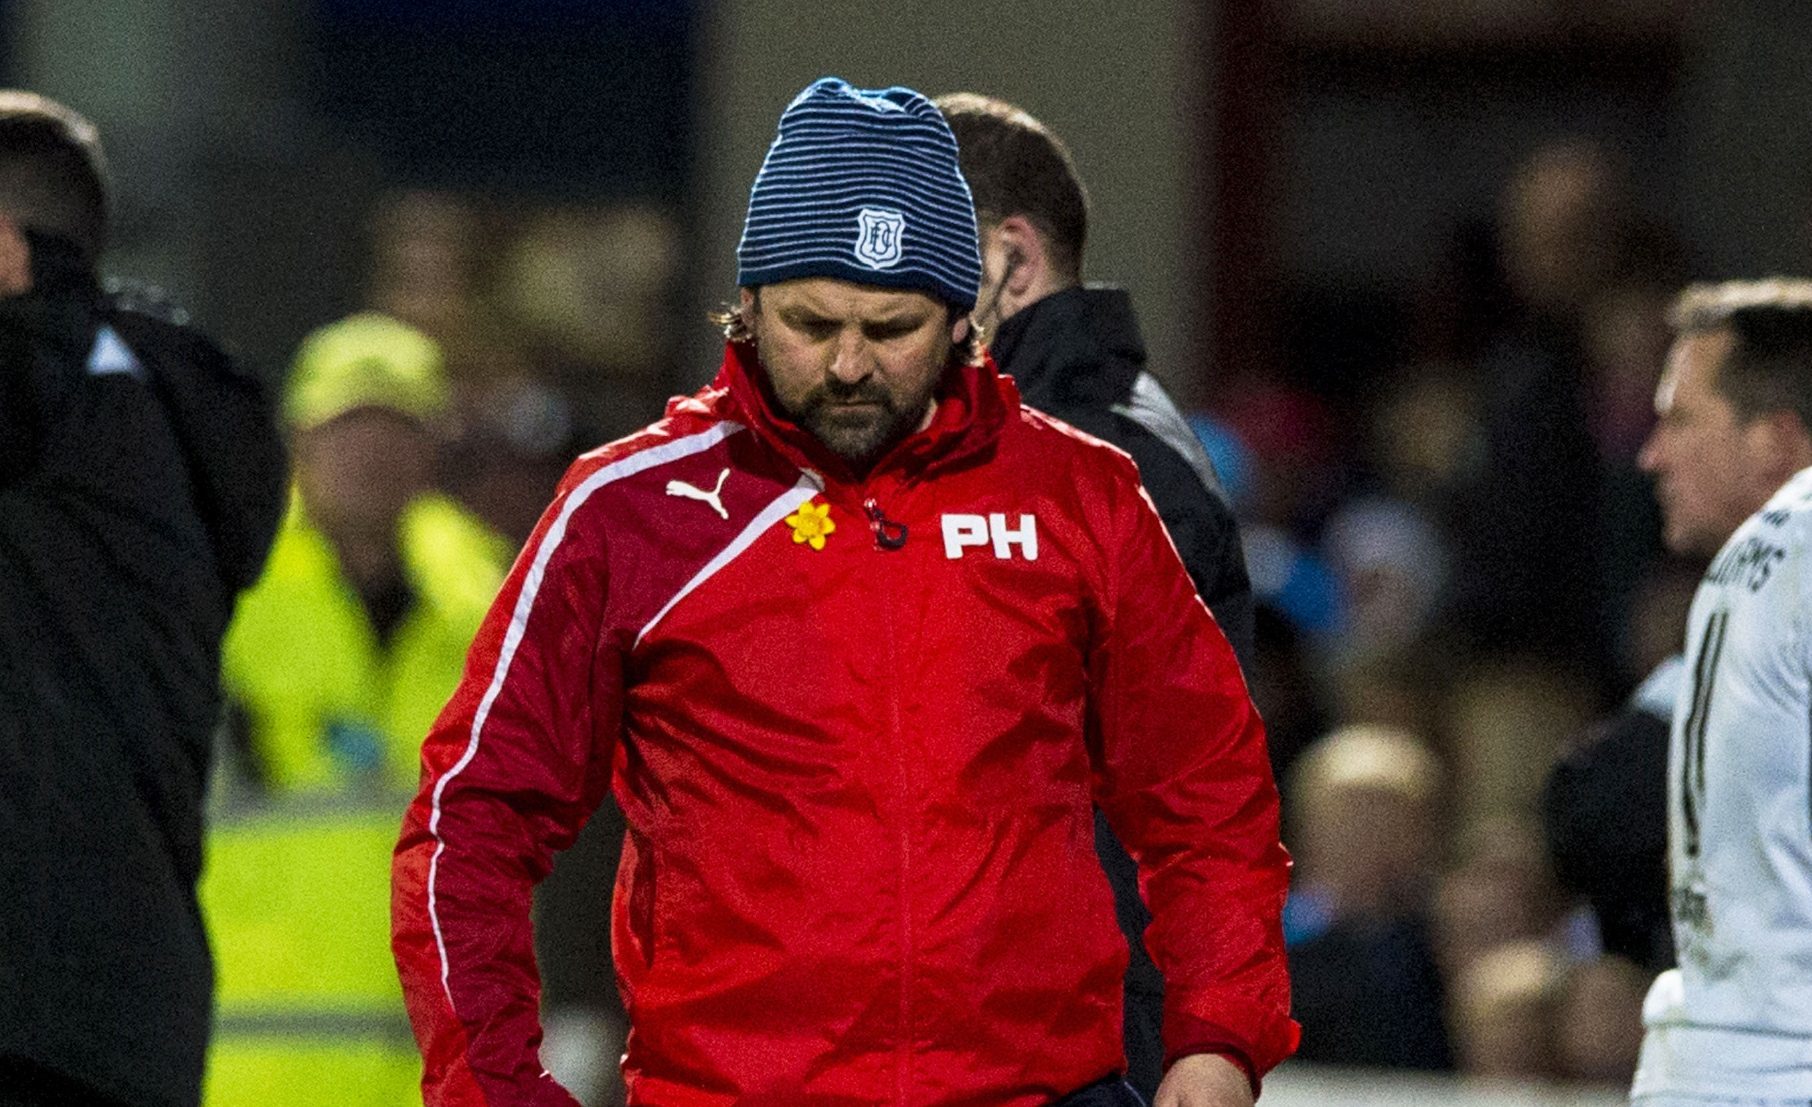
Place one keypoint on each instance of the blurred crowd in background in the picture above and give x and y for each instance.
(1456, 557)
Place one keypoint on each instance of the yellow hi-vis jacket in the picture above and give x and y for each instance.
(296, 889)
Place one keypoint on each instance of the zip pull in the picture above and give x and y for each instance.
(889, 535)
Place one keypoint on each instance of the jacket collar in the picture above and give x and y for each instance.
(974, 402)
(1078, 346)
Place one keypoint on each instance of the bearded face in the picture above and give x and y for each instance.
(854, 365)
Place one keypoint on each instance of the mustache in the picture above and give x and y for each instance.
(838, 392)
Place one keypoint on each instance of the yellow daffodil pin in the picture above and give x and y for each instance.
(811, 524)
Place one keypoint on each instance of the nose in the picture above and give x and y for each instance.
(850, 360)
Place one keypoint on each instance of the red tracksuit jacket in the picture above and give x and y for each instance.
(857, 772)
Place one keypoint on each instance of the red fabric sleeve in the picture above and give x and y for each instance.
(516, 763)
(1183, 777)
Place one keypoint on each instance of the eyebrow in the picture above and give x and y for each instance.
(906, 318)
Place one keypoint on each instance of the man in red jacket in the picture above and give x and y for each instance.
(855, 639)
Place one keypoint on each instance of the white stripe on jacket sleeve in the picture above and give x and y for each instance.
(519, 617)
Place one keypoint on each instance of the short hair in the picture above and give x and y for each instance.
(1016, 166)
(1368, 757)
(53, 175)
(1769, 366)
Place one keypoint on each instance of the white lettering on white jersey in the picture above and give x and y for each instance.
(1737, 1013)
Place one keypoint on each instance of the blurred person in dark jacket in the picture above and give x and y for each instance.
(1605, 804)
(1076, 352)
(1366, 984)
(1604, 809)
(141, 481)
(1543, 525)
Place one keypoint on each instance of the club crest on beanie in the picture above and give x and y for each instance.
(864, 186)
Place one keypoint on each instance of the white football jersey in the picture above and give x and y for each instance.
(1736, 1016)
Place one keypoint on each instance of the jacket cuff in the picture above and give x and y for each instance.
(1273, 1038)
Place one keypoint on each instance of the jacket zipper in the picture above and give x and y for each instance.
(890, 536)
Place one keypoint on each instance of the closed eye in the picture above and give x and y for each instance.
(893, 328)
(812, 327)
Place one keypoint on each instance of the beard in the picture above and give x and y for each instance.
(858, 422)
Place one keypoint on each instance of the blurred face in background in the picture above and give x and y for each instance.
(1368, 847)
(854, 365)
(1712, 468)
(1502, 893)
(358, 471)
(1561, 222)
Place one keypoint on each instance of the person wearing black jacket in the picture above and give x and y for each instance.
(141, 484)
(1604, 810)
(1076, 352)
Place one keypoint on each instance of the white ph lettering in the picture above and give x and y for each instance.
(1026, 535)
(962, 532)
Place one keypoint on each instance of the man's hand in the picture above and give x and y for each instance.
(1204, 1080)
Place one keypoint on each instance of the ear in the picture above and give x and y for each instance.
(748, 307)
(1773, 447)
(1024, 258)
(1786, 442)
(959, 330)
(15, 259)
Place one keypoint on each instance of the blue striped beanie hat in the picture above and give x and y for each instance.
(864, 186)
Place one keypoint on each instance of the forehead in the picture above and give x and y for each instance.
(1692, 366)
(830, 298)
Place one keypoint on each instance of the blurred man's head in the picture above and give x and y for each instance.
(1029, 202)
(1363, 804)
(1563, 223)
(53, 176)
(858, 265)
(1734, 407)
(359, 405)
(1504, 1005)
